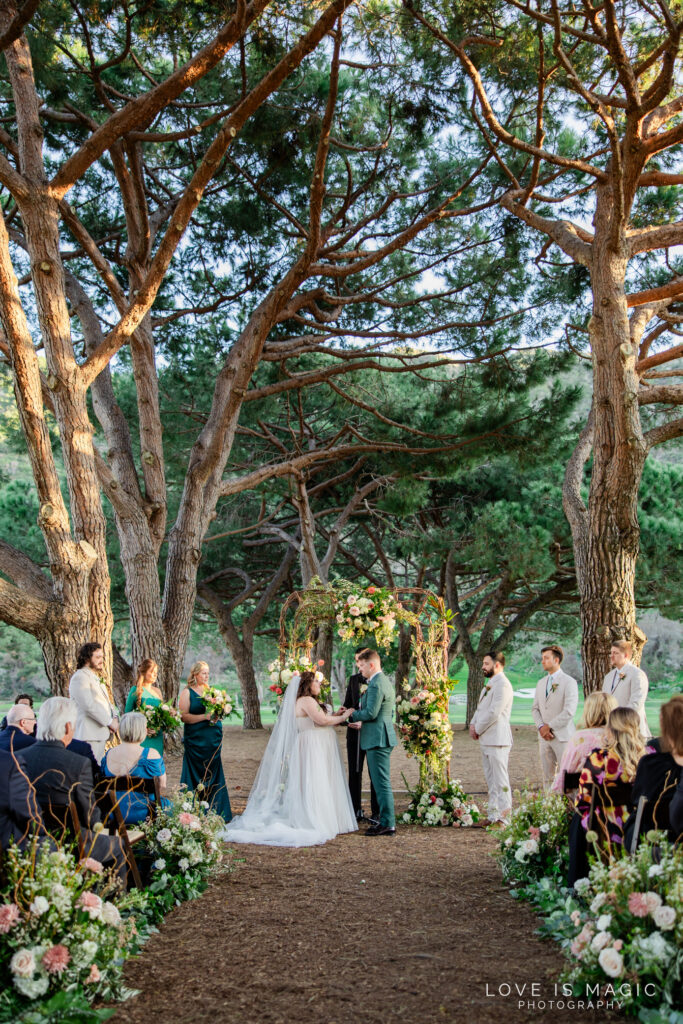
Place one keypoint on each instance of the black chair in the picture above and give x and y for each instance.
(108, 792)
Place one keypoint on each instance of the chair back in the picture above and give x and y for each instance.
(62, 822)
(114, 787)
(571, 781)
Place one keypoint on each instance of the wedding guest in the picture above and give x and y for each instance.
(19, 813)
(658, 775)
(97, 721)
(21, 698)
(589, 735)
(145, 693)
(606, 766)
(21, 722)
(553, 710)
(491, 726)
(131, 757)
(627, 683)
(203, 739)
(355, 755)
(60, 776)
(378, 737)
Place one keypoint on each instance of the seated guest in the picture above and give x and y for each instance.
(658, 774)
(21, 721)
(21, 698)
(131, 758)
(19, 814)
(606, 767)
(60, 776)
(589, 735)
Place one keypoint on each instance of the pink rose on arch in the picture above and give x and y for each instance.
(637, 904)
(9, 916)
(354, 610)
(56, 959)
(94, 975)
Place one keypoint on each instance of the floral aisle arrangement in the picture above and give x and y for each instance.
(535, 842)
(367, 611)
(219, 703)
(185, 846)
(294, 664)
(627, 931)
(425, 729)
(57, 933)
(162, 718)
(449, 806)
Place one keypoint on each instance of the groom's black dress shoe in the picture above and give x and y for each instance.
(380, 830)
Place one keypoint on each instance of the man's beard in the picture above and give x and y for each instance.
(488, 672)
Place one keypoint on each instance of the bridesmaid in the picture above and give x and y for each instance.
(203, 743)
(145, 691)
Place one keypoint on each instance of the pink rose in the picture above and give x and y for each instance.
(185, 818)
(618, 944)
(94, 976)
(9, 916)
(56, 959)
(637, 904)
(91, 903)
(654, 900)
(92, 865)
(535, 833)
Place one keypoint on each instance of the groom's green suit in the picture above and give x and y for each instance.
(377, 739)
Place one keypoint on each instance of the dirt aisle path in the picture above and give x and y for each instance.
(411, 929)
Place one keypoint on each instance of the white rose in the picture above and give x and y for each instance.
(39, 906)
(23, 963)
(665, 917)
(654, 900)
(600, 940)
(611, 961)
(32, 988)
(582, 884)
(159, 864)
(183, 863)
(286, 675)
(110, 914)
(654, 870)
(603, 922)
(544, 828)
(164, 835)
(520, 855)
(598, 901)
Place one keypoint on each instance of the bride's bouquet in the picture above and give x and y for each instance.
(161, 718)
(372, 610)
(219, 703)
(282, 675)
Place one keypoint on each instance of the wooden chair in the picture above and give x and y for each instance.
(108, 793)
(62, 823)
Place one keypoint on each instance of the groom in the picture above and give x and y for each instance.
(377, 737)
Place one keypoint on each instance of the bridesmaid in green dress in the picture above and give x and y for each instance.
(145, 691)
(203, 744)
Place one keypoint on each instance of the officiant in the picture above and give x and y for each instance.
(355, 756)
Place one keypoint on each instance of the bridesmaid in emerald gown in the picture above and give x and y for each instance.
(145, 691)
(203, 741)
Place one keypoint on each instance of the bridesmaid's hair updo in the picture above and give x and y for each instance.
(143, 668)
(306, 681)
(194, 672)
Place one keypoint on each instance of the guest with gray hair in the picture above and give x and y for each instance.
(21, 722)
(58, 776)
(132, 759)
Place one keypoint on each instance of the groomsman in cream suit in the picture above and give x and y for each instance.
(491, 726)
(627, 684)
(553, 710)
(96, 720)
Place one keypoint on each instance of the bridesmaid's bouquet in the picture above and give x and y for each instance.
(219, 703)
(161, 718)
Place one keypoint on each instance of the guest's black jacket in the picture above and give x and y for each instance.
(656, 779)
(13, 739)
(59, 775)
(676, 810)
(18, 810)
(352, 697)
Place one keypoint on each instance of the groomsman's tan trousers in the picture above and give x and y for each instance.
(495, 761)
(550, 752)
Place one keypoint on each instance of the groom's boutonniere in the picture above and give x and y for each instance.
(363, 687)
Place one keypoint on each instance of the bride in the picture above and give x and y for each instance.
(300, 796)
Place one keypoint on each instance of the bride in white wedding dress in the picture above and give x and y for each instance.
(300, 796)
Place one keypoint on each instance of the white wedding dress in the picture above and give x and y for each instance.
(300, 796)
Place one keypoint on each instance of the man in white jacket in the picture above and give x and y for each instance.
(491, 726)
(627, 683)
(553, 710)
(96, 720)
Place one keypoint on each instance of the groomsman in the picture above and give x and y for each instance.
(96, 721)
(627, 684)
(553, 710)
(355, 755)
(491, 726)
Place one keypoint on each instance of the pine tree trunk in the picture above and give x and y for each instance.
(243, 656)
(475, 684)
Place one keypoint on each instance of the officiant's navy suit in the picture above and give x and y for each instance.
(377, 739)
